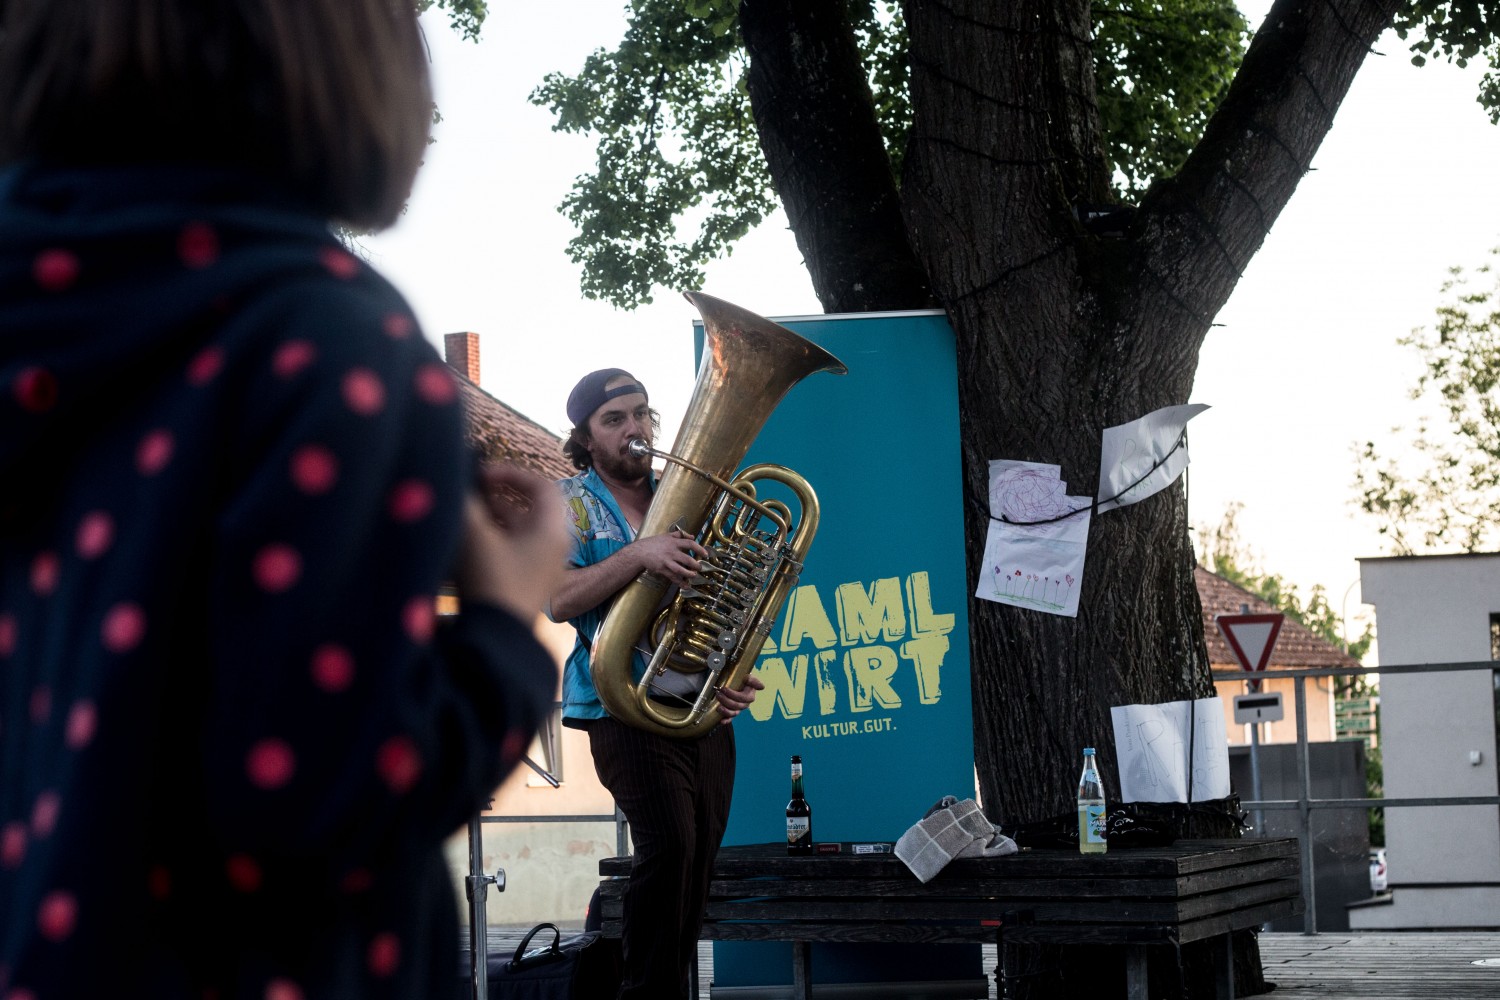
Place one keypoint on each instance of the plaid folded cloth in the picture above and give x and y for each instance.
(951, 829)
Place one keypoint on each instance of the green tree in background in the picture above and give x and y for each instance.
(679, 147)
(466, 16)
(680, 174)
(1451, 499)
(1459, 31)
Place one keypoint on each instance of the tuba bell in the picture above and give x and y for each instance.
(713, 630)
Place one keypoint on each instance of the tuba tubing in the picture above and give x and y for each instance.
(749, 364)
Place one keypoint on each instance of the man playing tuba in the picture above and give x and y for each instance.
(674, 792)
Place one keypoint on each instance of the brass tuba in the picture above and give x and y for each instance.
(756, 547)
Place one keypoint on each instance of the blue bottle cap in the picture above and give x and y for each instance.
(1088, 751)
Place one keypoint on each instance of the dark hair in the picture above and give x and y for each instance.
(330, 97)
(576, 449)
(576, 446)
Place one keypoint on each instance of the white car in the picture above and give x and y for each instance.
(1377, 869)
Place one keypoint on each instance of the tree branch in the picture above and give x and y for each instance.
(1199, 229)
(821, 140)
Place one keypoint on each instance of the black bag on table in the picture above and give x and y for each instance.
(581, 967)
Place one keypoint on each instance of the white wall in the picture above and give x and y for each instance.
(1436, 609)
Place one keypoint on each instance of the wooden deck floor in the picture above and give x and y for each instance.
(1382, 966)
(1337, 966)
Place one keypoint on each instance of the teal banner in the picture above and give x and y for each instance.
(867, 669)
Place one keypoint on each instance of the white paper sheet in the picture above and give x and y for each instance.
(1038, 537)
(1130, 450)
(1151, 746)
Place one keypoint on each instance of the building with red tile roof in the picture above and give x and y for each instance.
(1296, 646)
(496, 430)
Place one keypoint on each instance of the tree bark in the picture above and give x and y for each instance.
(1060, 332)
(818, 130)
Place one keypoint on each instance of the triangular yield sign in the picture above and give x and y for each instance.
(1251, 637)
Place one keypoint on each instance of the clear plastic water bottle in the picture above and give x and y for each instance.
(1091, 808)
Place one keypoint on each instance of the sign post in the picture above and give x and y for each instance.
(1251, 639)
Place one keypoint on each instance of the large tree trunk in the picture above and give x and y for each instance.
(1062, 332)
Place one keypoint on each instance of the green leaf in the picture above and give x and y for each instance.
(466, 16)
(1450, 495)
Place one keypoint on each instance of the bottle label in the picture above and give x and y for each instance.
(798, 828)
(1092, 825)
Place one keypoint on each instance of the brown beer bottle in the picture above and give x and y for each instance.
(798, 815)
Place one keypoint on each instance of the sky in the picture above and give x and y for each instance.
(1301, 364)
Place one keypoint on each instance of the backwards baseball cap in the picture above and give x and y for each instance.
(589, 394)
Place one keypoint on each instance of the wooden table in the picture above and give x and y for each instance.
(1194, 890)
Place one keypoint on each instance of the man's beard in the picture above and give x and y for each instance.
(622, 467)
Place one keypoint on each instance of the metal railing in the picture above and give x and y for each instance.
(1305, 803)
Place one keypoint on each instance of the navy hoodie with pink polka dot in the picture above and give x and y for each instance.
(233, 734)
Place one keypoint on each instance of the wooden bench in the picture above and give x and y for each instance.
(1138, 898)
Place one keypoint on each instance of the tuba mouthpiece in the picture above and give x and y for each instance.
(639, 448)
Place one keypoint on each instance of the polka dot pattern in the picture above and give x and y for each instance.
(283, 989)
(243, 873)
(332, 668)
(44, 814)
(513, 746)
(56, 270)
(292, 358)
(45, 570)
(205, 366)
(124, 627)
(12, 844)
(399, 764)
(419, 618)
(96, 532)
(41, 705)
(315, 469)
(299, 460)
(364, 392)
(270, 764)
(277, 568)
(384, 955)
(339, 263)
(154, 451)
(198, 246)
(435, 384)
(83, 720)
(58, 915)
(411, 501)
(399, 326)
(35, 390)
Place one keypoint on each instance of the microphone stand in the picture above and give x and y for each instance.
(476, 887)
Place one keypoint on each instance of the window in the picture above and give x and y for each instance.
(1495, 674)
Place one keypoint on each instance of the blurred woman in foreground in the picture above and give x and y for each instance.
(233, 736)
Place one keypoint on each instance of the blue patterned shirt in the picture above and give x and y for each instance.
(599, 530)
